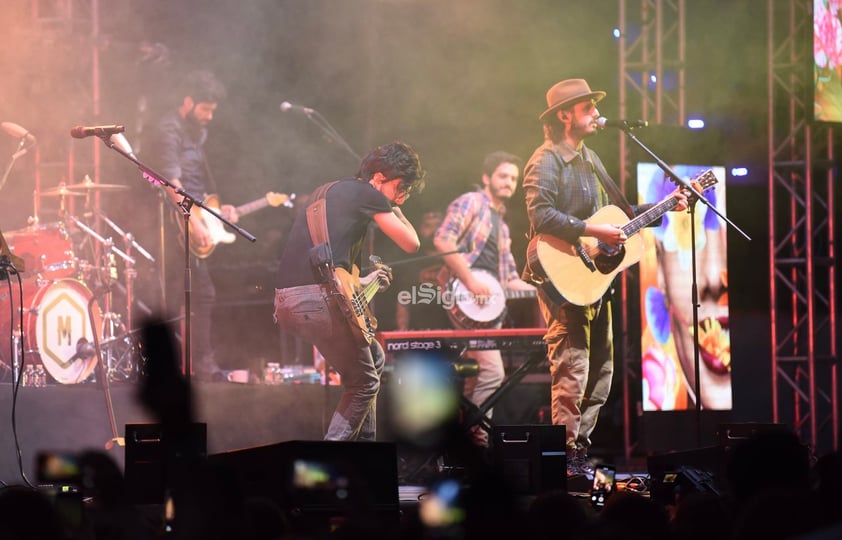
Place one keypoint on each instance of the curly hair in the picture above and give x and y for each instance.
(394, 160)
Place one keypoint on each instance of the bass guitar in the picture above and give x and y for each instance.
(582, 272)
(467, 311)
(216, 228)
(354, 300)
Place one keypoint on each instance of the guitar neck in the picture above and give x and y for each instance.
(653, 214)
(252, 206)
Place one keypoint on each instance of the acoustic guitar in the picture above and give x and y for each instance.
(216, 228)
(582, 272)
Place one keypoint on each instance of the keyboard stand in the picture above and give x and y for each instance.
(478, 415)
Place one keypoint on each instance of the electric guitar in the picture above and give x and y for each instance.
(354, 300)
(467, 311)
(216, 228)
(582, 272)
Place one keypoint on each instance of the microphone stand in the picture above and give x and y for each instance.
(188, 200)
(18, 153)
(627, 129)
(320, 121)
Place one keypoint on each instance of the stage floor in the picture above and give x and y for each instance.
(72, 418)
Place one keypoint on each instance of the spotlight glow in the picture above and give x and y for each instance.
(695, 123)
(739, 171)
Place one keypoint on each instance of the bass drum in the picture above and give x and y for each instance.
(58, 330)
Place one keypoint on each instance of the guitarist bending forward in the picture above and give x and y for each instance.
(565, 183)
(312, 303)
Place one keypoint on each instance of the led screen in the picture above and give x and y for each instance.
(667, 345)
(827, 61)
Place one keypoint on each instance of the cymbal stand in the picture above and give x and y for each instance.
(130, 273)
(113, 329)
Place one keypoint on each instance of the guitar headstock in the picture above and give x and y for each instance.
(705, 180)
(278, 199)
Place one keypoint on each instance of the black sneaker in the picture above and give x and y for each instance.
(578, 464)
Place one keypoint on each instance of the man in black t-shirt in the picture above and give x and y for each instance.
(305, 300)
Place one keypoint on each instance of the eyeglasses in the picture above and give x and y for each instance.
(403, 189)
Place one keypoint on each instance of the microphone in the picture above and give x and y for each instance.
(80, 132)
(286, 106)
(19, 132)
(84, 350)
(603, 123)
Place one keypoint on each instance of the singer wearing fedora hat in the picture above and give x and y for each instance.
(565, 183)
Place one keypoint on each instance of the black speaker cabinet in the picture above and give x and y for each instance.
(532, 458)
(148, 453)
(320, 482)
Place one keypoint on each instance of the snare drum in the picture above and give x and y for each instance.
(46, 250)
(57, 329)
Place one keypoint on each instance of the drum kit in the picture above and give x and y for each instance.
(68, 321)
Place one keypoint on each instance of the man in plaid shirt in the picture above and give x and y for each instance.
(475, 226)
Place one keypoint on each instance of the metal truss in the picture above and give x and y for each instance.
(802, 259)
(652, 54)
(69, 29)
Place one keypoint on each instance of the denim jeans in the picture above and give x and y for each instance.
(580, 349)
(310, 312)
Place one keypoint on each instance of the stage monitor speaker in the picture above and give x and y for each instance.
(701, 469)
(320, 482)
(732, 435)
(532, 458)
(147, 454)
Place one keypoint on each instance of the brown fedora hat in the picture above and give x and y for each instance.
(568, 92)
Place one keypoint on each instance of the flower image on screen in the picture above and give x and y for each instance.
(827, 61)
(667, 330)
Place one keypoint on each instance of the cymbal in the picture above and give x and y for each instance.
(61, 191)
(88, 185)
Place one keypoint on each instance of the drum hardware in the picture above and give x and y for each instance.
(121, 354)
(87, 185)
(62, 190)
(129, 271)
(93, 234)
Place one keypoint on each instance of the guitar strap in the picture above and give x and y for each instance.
(321, 256)
(317, 216)
(614, 194)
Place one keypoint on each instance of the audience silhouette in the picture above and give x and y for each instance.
(772, 489)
